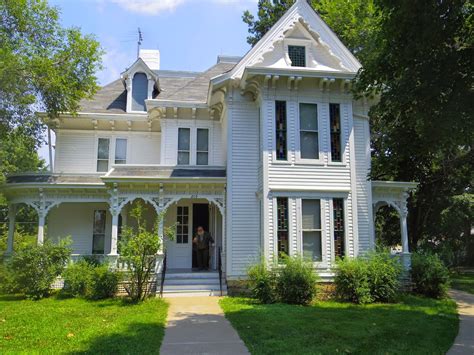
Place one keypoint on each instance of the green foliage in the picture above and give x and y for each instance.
(138, 248)
(296, 281)
(43, 65)
(429, 275)
(33, 269)
(372, 278)
(421, 124)
(21, 240)
(293, 282)
(352, 281)
(262, 282)
(90, 279)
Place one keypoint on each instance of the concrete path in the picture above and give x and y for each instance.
(464, 342)
(196, 325)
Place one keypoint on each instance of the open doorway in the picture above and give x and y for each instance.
(200, 218)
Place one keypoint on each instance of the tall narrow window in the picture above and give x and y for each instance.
(139, 91)
(282, 225)
(338, 210)
(184, 145)
(182, 225)
(311, 223)
(309, 145)
(103, 155)
(297, 56)
(202, 146)
(280, 123)
(98, 232)
(120, 151)
(335, 122)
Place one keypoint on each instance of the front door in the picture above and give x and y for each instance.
(200, 218)
(179, 250)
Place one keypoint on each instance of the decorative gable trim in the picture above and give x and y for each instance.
(301, 12)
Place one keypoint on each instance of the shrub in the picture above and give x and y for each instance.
(90, 279)
(262, 282)
(33, 269)
(352, 282)
(104, 283)
(384, 276)
(429, 275)
(372, 278)
(296, 281)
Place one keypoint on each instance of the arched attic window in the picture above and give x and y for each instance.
(139, 91)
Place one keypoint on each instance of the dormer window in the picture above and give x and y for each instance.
(139, 91)
(297, 56)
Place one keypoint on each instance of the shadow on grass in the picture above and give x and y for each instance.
(415, 326)
(138, 338)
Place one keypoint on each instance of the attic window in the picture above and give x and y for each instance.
(139, 91)
(297, 56)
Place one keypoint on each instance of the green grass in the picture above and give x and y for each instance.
(78, 326)
(463, 281)
(413, 326)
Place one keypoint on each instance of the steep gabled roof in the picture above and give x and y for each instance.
(301, 12)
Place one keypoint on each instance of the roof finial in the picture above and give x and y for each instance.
(140, 39)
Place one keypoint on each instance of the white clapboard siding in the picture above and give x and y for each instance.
(364, 195)
(243, 212)
(76, 151)
(80, 227)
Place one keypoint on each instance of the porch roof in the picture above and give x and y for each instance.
(164, 172)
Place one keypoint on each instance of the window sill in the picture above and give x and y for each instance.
(338, 164)
(311, 162)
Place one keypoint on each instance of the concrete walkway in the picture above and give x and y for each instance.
(464, 342)
(196, 325)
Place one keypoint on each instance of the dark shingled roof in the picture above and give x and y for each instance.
(175, 85)
(53, 179)
(150, 172)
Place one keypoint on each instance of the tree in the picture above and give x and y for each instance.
(422, 126)
(138, 248)
(353, 21)
(43, 66)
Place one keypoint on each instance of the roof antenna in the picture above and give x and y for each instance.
(140, 39)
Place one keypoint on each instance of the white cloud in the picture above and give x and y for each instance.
(154, 7)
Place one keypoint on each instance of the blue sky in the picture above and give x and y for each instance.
(190, 34)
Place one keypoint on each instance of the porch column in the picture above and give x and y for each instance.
(406, 258)
(41, 222)
(11, 227)
(114, 235)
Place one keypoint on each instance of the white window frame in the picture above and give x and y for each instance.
(97, 154)
(320, 230)
(299, 160)
(301, 43)
(184, 151)
(208, 146)
(193, 127)
(343, 161)
(115, 150)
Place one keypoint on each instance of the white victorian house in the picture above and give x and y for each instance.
(269, 152)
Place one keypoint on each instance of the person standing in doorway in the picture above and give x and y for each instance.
(202, 241)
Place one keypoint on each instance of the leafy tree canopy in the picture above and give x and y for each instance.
(43, 66)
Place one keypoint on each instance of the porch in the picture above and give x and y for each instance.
(94, 214)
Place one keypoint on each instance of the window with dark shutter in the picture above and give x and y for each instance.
(335, 122)
(339, 245)
(280, 123)
(282, 226)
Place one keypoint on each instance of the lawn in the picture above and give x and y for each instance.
(414, 326)
(463, 281)
(79, 326)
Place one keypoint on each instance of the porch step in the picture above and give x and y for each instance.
(201, 283)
